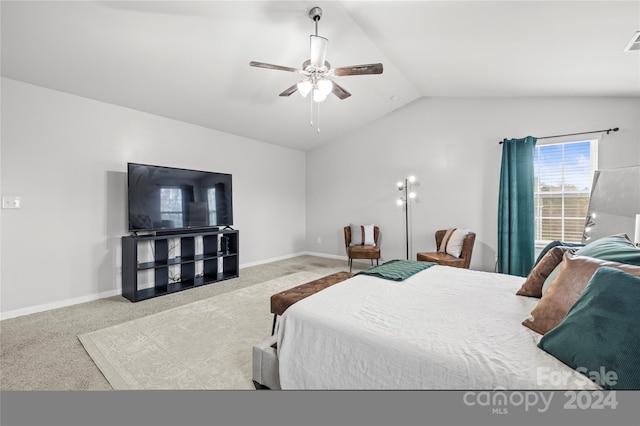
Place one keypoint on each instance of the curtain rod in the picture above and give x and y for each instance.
(615, 129)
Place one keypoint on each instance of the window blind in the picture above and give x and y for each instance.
(563, 175)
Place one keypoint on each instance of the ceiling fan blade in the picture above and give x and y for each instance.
(318, 50)
(340, 91)
(359, 70)
(272, 67)
(290, 90)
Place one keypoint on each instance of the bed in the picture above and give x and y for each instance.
(452, 328)
(442, 328)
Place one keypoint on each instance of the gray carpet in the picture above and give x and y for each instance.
(203, 345)
(42, 351)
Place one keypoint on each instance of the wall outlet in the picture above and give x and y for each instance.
(319, 240)
(10, 202)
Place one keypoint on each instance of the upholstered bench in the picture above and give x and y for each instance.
(281, 301)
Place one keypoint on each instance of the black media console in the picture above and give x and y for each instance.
(155, 265)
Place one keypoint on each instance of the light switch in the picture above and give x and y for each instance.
(10, 202)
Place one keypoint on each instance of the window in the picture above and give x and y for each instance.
(171, 209)
(211, 202)
(563, 174)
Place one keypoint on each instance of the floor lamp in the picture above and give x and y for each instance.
(406, 188)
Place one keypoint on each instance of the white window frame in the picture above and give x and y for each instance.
(212, 206)
(539, 243)
(179, 213)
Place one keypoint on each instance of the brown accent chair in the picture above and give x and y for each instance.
(361, 251)
(445, 258)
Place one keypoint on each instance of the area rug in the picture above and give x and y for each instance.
(203, 345)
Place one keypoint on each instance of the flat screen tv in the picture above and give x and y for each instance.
(171, 199)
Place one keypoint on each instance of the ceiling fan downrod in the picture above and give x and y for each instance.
(315, 14)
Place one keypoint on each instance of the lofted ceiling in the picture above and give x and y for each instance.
(189, 60)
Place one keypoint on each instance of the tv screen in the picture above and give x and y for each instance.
(167, 198)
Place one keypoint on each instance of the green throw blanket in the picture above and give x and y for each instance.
(397, 270)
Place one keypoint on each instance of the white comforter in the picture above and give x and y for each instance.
(443, 328)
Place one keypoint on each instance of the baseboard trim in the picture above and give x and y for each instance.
(337, 257)
(325, 255)
(59, 304)
(271, 260)
(302, 253)
(117, 292)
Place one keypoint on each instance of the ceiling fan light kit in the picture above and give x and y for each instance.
(317, 71)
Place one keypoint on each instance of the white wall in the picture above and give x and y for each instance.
(66, 157)
(451, 145)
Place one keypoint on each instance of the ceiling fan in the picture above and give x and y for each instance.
(317, 71)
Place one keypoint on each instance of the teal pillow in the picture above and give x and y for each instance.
(553, 244)
(600, 335)
(617, 248)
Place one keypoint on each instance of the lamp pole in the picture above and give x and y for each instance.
(406, 216)
(404, 200)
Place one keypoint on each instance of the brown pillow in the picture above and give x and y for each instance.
(532, 287)
(573, 275)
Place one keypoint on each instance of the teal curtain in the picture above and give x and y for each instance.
(516, 226)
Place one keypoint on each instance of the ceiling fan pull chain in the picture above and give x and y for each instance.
(311, 111)
(318, 118)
